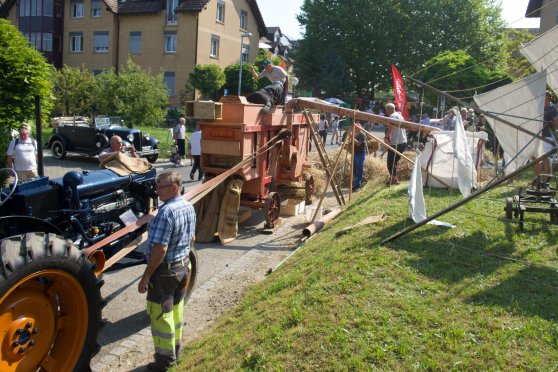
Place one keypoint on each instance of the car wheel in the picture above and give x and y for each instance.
(58, 150)
(152, 158)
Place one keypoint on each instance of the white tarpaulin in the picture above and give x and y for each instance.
(466, 173)
(438, 157)
(520, 103)
(417, 207)
(542, 53)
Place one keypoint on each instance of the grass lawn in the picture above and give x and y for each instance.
(479, 296)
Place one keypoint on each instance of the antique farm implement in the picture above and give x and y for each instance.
(539, 198)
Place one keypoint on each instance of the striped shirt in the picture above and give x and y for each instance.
(173, 226)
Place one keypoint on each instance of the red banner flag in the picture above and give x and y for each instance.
(399, 92)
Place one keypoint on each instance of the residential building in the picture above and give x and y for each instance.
(169, 36)
(547, 10)
(280, 45)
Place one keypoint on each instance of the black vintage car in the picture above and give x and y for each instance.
(79, 136)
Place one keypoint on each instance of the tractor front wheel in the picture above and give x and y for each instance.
(50, 305)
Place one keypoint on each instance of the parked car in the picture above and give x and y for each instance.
(83, 137)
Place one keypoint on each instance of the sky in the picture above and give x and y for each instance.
(282, 14)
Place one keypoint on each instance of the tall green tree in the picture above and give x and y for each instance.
(516, 64)
(461, 75)
(369, 36)
(74, 92)
(207, 79)
(24, 74)
(136, 95)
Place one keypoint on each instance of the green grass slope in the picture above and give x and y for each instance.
(482, 295)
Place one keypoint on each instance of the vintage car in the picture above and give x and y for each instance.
(82, 137)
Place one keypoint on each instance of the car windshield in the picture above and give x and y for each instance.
(107, 122)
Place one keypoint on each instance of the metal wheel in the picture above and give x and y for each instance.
(152, 158)
(5, 196)
(50, 305)
(309, 189)
(509, 208)
(272, 209)
(58, 150)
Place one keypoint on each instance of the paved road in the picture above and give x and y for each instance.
(126, 331)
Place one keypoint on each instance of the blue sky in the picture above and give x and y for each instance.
(281, 13)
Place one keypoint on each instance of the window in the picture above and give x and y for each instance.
(220, 11)
(245, 53)
(47, 42)
(76, 42)
(101, 41)
(35, 40)
(135, 42)
(36, 7)
(25, 8)
(214, 46)
(96, 8)
(171, 14)
(76, 9)
(243, 20)
(168, 78)
(47, 8)
(170, 41)
(97, 72)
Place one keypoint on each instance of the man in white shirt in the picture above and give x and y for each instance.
(180, 138)
(195, 143)
(22, 155)
(396, 137)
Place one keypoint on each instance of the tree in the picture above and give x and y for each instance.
(74, 92)
(249, 84)
(24, 74)
(516, 64)
(461, 75)
(136, 95)
(207, 79)
(381, 32)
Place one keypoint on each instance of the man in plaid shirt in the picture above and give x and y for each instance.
(171, 234)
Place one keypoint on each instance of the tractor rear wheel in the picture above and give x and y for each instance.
(191, 281)
(50, 305)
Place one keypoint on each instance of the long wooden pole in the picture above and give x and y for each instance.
(357, 115)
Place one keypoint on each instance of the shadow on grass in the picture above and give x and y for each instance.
(532, 291)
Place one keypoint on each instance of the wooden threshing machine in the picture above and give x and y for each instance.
(277, 143)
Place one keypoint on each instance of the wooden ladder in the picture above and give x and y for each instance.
(325, 159)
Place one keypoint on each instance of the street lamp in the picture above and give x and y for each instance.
(242, 36)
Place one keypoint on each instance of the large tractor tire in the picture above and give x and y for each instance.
(50, 305)
(192, 276)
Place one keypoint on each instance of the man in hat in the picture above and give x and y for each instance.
(22, 155)
(278, 77)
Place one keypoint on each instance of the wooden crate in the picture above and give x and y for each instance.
(292, 207)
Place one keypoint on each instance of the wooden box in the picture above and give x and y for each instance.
(204, 110)
(292, 207)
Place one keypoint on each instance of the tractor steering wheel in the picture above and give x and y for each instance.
(5, 196)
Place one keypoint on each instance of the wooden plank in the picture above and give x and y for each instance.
(231, 148)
